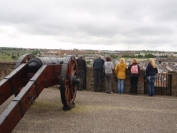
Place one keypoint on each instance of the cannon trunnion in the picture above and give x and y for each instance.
(30, 77)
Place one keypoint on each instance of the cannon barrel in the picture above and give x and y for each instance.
(35, 63)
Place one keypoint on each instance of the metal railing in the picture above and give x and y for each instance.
(163, 83)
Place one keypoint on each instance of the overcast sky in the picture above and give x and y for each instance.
(89, 24)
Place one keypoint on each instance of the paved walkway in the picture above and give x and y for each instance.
(98, 112)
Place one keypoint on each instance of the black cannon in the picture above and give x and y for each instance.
(30, 76)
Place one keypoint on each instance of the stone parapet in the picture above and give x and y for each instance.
(90, 81)
(7, 67)
(174, 83)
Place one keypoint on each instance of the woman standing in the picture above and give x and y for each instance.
(134, 69)
(151, 71)
(120, 73)
(108, 66)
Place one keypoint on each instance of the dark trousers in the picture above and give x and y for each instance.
(108, 80)
(81, 76)
(98, 77)
(133, 85)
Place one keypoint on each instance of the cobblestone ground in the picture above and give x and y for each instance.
(98, 112)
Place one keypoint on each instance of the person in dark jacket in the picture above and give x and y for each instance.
(81, 63)
(98, 66)
(151, 71)
(134, 76)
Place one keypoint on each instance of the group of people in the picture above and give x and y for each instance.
(106, 69)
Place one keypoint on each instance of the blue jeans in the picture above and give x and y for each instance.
(120, 86)
(150, 80)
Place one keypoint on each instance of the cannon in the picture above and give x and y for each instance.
(30, 76)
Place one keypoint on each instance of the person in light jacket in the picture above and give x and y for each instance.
(120, 73)
(109, 67)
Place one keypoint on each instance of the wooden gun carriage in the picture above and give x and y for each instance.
(30, 76)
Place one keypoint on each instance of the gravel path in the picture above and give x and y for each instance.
(98, 112)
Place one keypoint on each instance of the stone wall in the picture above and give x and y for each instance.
(90, 82)
(7, 67)
(174, 83)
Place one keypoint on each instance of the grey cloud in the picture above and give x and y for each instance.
(112, 22)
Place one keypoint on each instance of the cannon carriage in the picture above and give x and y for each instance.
(30, 76)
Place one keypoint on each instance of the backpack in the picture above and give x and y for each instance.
(134, 69)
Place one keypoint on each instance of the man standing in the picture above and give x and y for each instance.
(81, 63)
(98, 65)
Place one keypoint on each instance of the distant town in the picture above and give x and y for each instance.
(165, 60)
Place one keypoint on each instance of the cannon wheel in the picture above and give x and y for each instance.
(68, 81)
